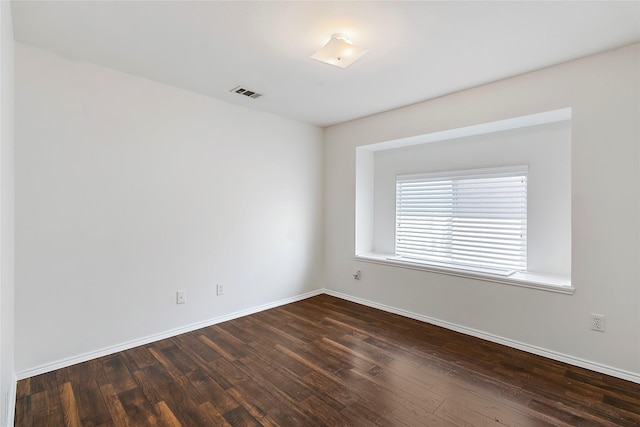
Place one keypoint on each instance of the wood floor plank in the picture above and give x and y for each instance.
(165, 415)
(401, 392)
(359, 413)
(331, 385)
(264, 407)
(320, 413)
(138, 409)
(356, 359)
(315, 357)
(217, 348)
(568, 416)
(359, 346)
(116, 373)
(225, 373)
(118, 414)
(138, 358)
(69, 406)
(22, 414)
(23, 388)
(238, 331)
(275, 356)
(45, 409)
(413, 419)
(207, 390)
(464, 416)
(194, 348)
(325, 361)
(262, 417)
(233, 347)
(211, 413)
(43, 382)
(174, 361)
(294, 390)
(240, 417)
(90, 403)
(153, 381)
(158, 385)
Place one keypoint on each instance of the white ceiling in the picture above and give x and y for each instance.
(417, 50)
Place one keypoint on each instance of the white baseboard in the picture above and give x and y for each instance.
(63, 363)
(11, 402)
(597, 367)
(571, 360)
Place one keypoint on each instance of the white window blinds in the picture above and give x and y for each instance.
(470, 220)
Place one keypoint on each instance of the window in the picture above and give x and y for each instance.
(470, 220)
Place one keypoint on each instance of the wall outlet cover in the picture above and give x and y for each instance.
(597, 322)
(181, 297)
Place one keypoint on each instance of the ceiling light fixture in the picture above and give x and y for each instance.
(339, 51)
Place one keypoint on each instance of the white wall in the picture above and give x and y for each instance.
(128, 190)
(603, 91)
(7, 376)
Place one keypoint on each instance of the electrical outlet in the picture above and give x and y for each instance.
(219, 290)
(597, 322)
(181, 297)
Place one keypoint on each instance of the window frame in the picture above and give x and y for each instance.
(433, 212)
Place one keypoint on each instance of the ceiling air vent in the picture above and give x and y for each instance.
(246, 92)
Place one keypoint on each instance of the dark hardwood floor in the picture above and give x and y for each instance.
(325, 362)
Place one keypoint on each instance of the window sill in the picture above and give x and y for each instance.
(543, 282)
